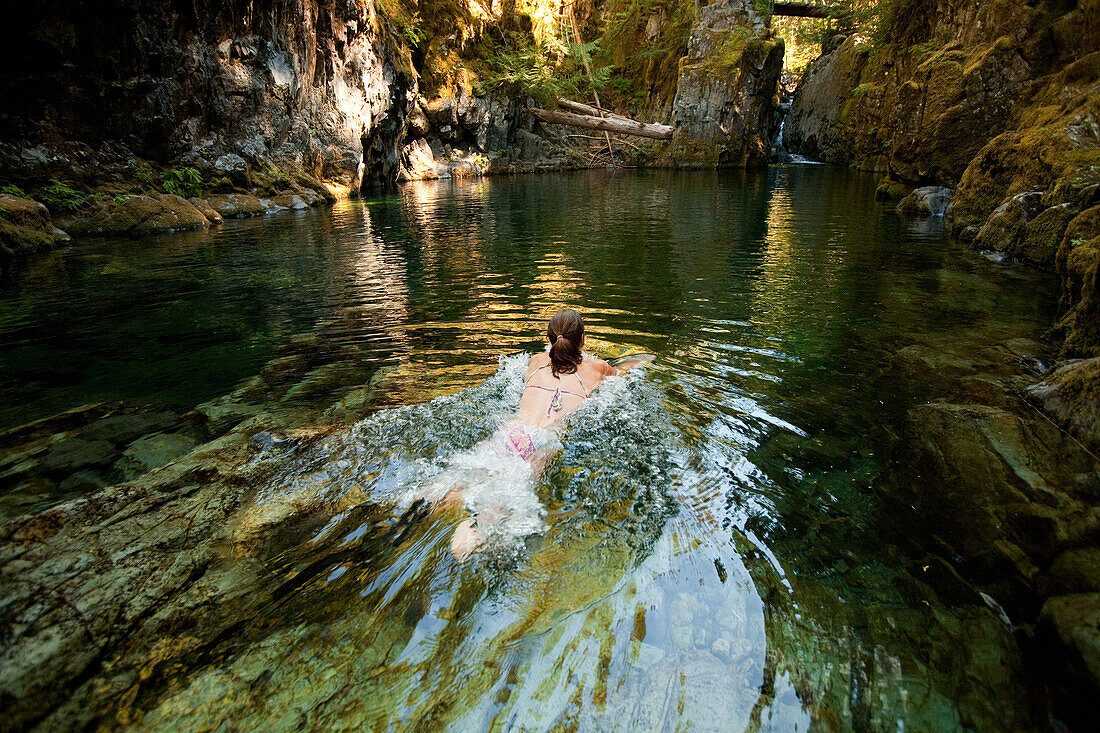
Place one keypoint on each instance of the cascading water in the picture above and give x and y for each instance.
(779, 152)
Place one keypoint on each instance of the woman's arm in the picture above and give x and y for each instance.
(624, 366)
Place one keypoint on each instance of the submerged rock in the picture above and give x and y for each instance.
(927, 201)
(153, 452)
(25, 226)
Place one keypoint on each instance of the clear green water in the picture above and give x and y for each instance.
(722, 551)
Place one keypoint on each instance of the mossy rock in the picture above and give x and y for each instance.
(1080, 326)
(1078, 264)
(891, 190)
(1005, 228)
(136, 216)
(1043, 235)
(207, 210)
(25, 226)
(1071, 395)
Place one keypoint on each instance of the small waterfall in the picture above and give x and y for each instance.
(779, 152)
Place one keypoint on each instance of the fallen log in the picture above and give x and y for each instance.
(587, 109)
(623, 125)
(801, 10)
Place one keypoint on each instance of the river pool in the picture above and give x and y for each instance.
(723, 547)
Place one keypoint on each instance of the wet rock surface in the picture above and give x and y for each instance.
(125, 512)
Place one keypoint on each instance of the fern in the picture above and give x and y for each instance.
(184, 182)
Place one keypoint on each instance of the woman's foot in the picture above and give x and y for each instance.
(467, 540)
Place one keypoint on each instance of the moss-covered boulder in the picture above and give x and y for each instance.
(1078, 264)
(891, 189)
(727, 92)
(207, 210)
(1005, 228)
(135, 215)
(236, 205)
(25, 226)
(1043, 234)
(1071, 395)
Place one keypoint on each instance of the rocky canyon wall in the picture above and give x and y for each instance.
(266, 94)
(997, 99)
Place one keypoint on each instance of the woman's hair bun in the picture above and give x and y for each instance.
(566, 334)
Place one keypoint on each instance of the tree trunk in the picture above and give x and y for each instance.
(622, 126)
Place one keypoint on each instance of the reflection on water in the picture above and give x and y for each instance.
(718, 554)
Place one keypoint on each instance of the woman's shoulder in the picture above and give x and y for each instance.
(598, 365)
(537, 361)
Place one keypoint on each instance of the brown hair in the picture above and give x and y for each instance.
(566, 334)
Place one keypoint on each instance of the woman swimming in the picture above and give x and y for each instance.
(556, 383)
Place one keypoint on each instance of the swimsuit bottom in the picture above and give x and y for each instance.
(524, 440)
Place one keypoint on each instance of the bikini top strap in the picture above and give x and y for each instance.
(539, 369)
(544, 366)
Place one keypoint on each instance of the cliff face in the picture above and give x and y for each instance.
(923, 106)
(239, 90)
(728, 90)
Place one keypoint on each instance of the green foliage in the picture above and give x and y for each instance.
(764, 8)
(413, 30)
(184, 182)
(408, 24)
(145, 173)
(12, 190)
(520, 67)
(861, 90)
(60, 196)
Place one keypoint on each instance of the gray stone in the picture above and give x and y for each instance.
(233, 167)
(926, 201)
